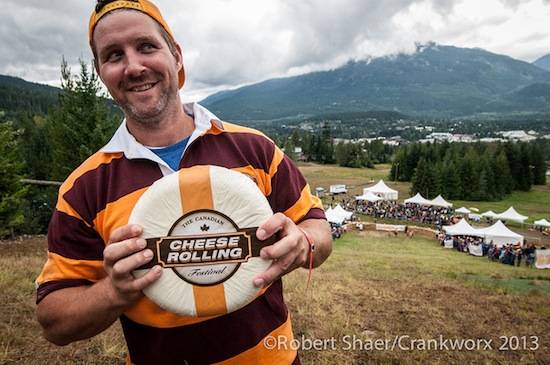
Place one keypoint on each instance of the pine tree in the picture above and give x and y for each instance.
(423, 180)
(81, 124)
(11, 190)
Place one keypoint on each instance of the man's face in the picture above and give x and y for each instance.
(136, 65)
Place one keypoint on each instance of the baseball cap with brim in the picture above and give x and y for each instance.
(145, 7)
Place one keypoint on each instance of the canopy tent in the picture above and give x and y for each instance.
(501, 235)
(542, 223)
(440, 202)
(489, 214)
(463, 210)
(369, 196)
(333, 218)
(511, 215)
(462, 228)
(417, 199)
(341, 212)
(383, 190)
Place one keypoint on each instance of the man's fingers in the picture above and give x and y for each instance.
(126, 265)
(277, 269)
(125, 232)
(273, 225)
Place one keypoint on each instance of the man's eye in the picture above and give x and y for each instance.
(113, 56)
(148, 48)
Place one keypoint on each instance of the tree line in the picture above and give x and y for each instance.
(470, 171)
(48, 146)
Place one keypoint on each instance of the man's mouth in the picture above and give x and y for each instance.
(141, 88)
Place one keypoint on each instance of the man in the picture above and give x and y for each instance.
(87, 282)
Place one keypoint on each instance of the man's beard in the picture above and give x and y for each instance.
(152, 116)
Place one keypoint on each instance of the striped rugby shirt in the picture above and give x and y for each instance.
(99, 196)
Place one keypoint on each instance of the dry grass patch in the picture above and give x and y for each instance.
(373, 287)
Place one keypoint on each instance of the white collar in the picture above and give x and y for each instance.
(124, 141)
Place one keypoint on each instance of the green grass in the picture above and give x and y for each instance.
(421, 257)
(375, 286)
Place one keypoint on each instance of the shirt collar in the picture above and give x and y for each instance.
(123, 141)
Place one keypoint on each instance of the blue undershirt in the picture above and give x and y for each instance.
(172, 154)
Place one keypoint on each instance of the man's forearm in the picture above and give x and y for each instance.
(73, 314)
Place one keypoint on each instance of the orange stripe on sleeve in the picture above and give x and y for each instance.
(304, 205)
(61, 268)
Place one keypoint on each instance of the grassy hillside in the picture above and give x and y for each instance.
(374, 289)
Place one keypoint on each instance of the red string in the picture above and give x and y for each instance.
(311, 249)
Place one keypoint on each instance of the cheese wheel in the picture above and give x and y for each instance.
(193, 221)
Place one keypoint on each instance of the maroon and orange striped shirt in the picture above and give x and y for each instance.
(99, 196)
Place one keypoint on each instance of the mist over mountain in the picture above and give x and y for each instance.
(543, 62)
(436, 81)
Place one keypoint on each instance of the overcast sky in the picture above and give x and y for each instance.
(229, 43)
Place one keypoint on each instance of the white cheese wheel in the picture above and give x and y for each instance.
(195, 217)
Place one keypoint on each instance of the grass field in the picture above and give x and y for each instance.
(375, 292)
(373, 289)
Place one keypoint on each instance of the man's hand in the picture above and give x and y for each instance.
(124, 253)
(292, 250)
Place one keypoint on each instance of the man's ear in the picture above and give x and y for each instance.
(178, 55)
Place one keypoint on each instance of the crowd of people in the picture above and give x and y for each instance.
(508, 254)
(422, 214)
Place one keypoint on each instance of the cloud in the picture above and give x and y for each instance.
(227, 43)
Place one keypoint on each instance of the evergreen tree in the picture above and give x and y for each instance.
(35, 146)
(423, 179)
(12, 191)
(538, 162)
(486, 184)
(451, 185)
(514, 164)
(289, 150)
(501, 171)
(467, 179)
(525, 170)
(81, 124)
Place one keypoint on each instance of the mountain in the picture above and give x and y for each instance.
(17, 94)
(435, 81)
(543, 62)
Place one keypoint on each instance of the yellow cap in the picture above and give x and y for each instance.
(145, 7)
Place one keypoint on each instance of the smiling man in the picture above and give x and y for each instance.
(87, 283)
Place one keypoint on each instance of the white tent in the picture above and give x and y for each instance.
(341, 212)
(440, 202)
(417, 199)
(542, 223)
(501, 235)
(334, 218)
(511, 215)
(383, 190)
(462, 228)
(489, 214)
(369, 196)
(463, 210)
